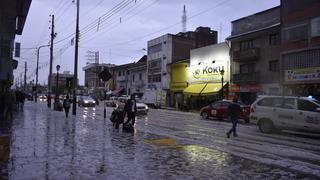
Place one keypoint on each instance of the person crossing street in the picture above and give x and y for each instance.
(234, 110)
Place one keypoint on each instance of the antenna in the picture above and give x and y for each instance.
(184, 19)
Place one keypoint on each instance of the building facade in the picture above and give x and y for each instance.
(138, 77)
(169, 48)
(208, 75)
(92, 80)
(62, 81)
(13, 14)
(255, 55)
(300, 47)
(130, 78)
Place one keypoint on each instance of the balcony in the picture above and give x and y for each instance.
(246, 55)
(246, 78)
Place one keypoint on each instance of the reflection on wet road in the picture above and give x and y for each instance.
(165, 145)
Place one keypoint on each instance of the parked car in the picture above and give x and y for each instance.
(86, 101)
(284, 112)
(219, 109)
(42, 97)
(142, 108)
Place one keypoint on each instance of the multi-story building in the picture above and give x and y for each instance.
(92, 80)
(13, 14)
(171, 48)
(130, 78)
(138, 77)
(62, 81)
(255, 55)
(300, 47)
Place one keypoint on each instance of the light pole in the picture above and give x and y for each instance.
(56, 99)
(37, 71)
(222, 73)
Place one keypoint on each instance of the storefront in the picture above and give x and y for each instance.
(208, 75)
(302, 82)
(246, 93)
(179, 77)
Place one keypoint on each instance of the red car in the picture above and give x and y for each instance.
(219, 110)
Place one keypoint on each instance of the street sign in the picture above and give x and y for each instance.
(105, 75)
(69, 82)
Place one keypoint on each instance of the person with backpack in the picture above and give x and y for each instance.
(66, 105)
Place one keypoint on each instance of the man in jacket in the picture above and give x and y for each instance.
(131, 109)
(234, 110)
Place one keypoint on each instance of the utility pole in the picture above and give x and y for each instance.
(25, 76)
(75, 72)
(37, 72)
(51, 59)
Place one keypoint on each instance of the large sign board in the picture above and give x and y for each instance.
(305, 74)
(207, 72)
(207, 63)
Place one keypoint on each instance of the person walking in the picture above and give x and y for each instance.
(131, 109)
(234, 110)
(66, 105)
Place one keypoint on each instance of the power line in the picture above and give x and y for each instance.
(116, 21)
(170, 26)
(127, 19)
(88, 26)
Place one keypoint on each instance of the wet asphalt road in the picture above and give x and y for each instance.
(165, 145)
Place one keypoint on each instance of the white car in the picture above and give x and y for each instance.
(286, 112)
(142, 108)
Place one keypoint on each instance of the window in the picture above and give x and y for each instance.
(133, 77)
(266, 102)
(288, 103)
(154, 78)
(274, 65)
(274, 39)
(119, 73)
(128, 72)
(315, 27)
(247, 68)
(155, 48)
(140, 76)
(246, 44)
(305, 105)
(295, 32)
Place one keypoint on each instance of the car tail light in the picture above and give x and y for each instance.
(252, 110)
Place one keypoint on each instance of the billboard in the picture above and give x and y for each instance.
(305, 74)
(206, 64)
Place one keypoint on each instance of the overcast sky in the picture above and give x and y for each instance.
(124, 32)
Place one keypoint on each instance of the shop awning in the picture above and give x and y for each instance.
(212, 88)
(194, 89)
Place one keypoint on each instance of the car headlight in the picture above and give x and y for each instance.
(147, 107)
(86, 101)
(94, 102)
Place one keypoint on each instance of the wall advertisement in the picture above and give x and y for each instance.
(306, 74)
(206, 72)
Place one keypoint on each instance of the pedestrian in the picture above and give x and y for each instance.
(22, 99)
(66, 105)
(234, 110)
(131, 109)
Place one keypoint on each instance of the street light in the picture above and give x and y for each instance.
(222, 73)
(56, 102)
(37, 70)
